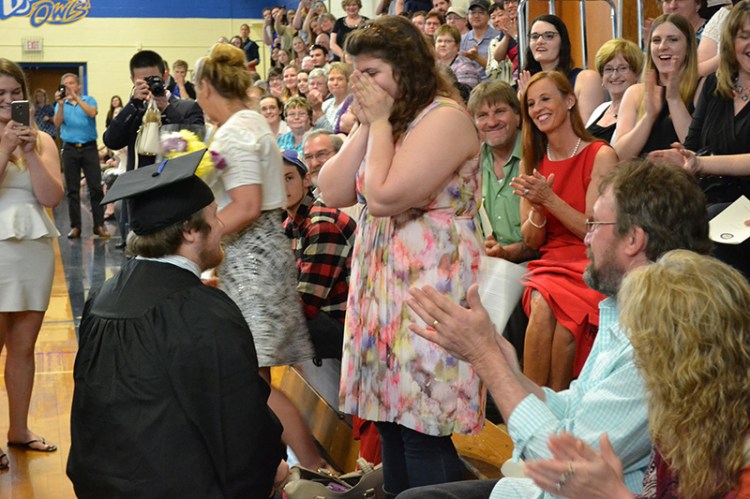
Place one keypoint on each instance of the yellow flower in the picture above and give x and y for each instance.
(184, 142)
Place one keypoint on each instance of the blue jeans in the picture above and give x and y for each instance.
(412, 459)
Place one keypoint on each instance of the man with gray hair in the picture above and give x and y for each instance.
(318, 146)
(317, 83)
(643, 210)
(75, 116)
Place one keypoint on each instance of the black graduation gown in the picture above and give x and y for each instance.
(168, 401)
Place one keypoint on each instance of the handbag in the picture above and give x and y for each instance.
(147, 139)
(367, 483)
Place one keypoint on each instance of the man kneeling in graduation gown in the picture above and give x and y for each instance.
(168, 401)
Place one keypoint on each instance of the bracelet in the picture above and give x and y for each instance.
(532, 221)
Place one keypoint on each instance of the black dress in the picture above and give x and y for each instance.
(602, 132)
(168, 401)
(663, 134)
(715, 130)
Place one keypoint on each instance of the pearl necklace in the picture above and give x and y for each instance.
(575, 151)
(738, 89)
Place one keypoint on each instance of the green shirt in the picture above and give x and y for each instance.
(501, 205)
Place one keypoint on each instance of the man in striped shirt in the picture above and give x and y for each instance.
(643, 211)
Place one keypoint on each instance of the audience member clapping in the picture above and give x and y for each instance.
(692, 310)
(562, 167)
(658, 111)
(447, 44)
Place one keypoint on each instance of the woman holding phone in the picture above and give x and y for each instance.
(29, 182)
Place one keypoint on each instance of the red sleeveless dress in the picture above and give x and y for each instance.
(558, 273)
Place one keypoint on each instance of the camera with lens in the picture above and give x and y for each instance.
(155, 85)
(61, 89)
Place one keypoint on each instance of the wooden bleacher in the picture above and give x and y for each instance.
(482, 454)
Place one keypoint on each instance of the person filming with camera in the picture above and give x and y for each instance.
(148, 73)
(75, 115)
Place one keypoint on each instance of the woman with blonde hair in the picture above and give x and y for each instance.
(562, 166)
(417, 228)
(298, 114)
(619, 62)
(658, 111)
(689, 321)
(258, 271)
(340, 99)
(30, 181)
(345, 25)
(289, 78)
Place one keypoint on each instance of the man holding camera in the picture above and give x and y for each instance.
(148, 73)
(75, 116)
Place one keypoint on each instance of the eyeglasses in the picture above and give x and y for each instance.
(547, 35)
(296, 115)
(319, 156)
(624, 69)
(592, 226)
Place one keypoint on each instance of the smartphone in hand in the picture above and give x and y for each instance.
(19, 111)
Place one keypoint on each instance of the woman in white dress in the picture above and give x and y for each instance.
(258, 272)
(29, 182)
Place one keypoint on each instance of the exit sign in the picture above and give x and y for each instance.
(33, 45)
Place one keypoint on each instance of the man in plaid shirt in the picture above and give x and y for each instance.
(322, 240)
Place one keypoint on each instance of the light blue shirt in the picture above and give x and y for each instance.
(608, 396)
(468, 41)
(286, 142)
(77, 127)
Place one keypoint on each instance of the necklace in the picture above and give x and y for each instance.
(614, 111)
(740, 91)
(575, 151)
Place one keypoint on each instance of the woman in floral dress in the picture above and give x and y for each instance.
(413, 162)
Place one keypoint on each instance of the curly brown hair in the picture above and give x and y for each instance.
(395, 40)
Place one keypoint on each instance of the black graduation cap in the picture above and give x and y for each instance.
(162, 194)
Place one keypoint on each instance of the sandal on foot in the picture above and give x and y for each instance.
(29, 445)
(4, 462)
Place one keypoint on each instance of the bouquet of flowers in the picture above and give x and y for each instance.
(180, 142)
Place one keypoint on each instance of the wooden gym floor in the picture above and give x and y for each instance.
(84, 264)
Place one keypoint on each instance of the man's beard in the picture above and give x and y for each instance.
(211, 258)
(606, 279)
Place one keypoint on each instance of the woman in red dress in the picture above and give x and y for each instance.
(562, 165)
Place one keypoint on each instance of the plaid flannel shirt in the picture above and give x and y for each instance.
(322, 241)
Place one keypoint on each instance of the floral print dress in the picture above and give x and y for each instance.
(389, 373)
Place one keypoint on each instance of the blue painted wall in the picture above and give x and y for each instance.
(68, 11)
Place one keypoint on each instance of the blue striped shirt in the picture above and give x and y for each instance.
(608, 396)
